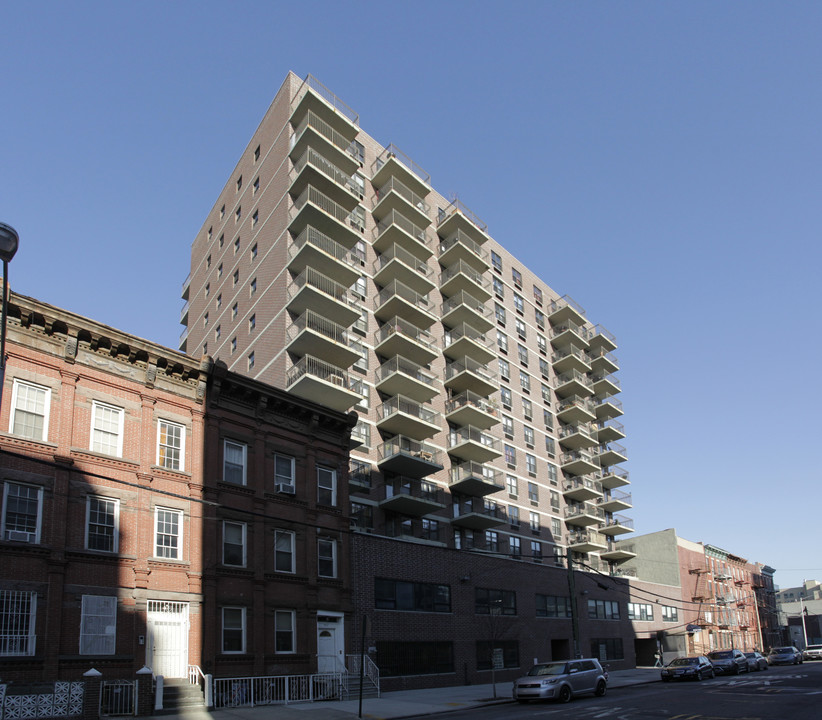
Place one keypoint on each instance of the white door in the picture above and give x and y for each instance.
(167, 652)
(330, 643)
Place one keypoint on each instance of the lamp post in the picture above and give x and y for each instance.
(9, 240)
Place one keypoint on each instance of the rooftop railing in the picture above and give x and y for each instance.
(457, 206)
(310, 82)
(392, 151)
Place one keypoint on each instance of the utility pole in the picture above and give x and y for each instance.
(573, 600)
(804, 629)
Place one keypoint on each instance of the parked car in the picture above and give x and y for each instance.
(813, 652)
(561, 680)
(784, 656)
(688, 668)
(756, 661)
(728, 662)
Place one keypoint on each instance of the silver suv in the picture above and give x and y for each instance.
(561, 680)
(813, 652)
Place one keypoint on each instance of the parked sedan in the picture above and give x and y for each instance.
(784, 656)
(728, 662)
(813, 652)
(756, 661)
(688, 668)
(561, 680)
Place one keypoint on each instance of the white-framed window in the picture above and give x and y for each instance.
(531, 464)
(284, 556)
(502, 341)
(30, 405)
(233, 630)
(102, 524)
(168, 533)
(171, 445)
(98, 625)
(508, 426)
(22, 512)
(18, 612)
(107, 429)
(284, 478)
(234, 462)
(234, 543)
(504, 369)
(285, 640)
(533, 519)
(327, 557)
(512, 484)
(528, 434)
(326, 486)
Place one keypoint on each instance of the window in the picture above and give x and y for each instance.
(513, 516)
(238, 213)
(209, 234)
(607, 648)
(553, 606)
(233, 630)
(519, 303)
(415, 658)
(496, 261)
(252, 323)
(521, 330)
(254, 251)
(411, 596)
(505, 397)
(18, 612)
(536, 551)
(502, 341)
(234, 535)
(251, 360)
(234, 462)
(235, 308)
(98, 625)
(430, 529)
(222, 215)
(528, 432)
(208, 259)
(205, 348)
(504, 369)
(326, 486)
(531, 464)
(515, 545)
(218, 331)
(548, 418)
(22, 512)
(219, 301)
(326, 558)
(362, 516)
(107, 428)
(542, 344)
(168, 533)
(551, 451)
(527, 409)
(508, 427)
(284, 551)
(537, 295)
(522, 353)
(284, 474)
(239, 183)
(603, 609)
(485, 653)
(533, 492)
(499, 288)
(495, 602)
(546, 393)
(233, 345)
(284, 635)
(237, 245)
(556, 528)
(525, 381)
(255, 186)
(510, 455)
(539, 316)
(670, 614)
(554, 500)
(236, 277)
(499, 313)
(102, 524)
(544, 368)
(222, 236)
(257, 154)
(491, 541)
(170, 445)
(640, 611)
(533, 521)
(512, 485)
(516, 276)
(252, 287)
(30, 405)
(220, 269)
(255, 218)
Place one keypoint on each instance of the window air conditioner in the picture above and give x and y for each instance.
(285, 489)
(20, 536)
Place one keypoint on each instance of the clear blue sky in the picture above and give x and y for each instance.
(657, 161)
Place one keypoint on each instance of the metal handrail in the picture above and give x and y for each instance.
(401, 404)
(404, 224)
(311, 236)
(399, 253)
(316, 123)
(407, 367)
(406, 193)
(463, 268)
(402, 326)
(392, 151)
(328, 169)
(466, 470)
(458, 206)
(461, 238)
(464, 330)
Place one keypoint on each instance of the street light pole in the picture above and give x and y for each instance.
(9, 241)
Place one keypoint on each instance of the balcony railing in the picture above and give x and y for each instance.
(399, 364)
(327, 205)
(310, 320)
(464, 330)
(619, 520)
(573, 376)
(321, 127)
(323, 370)
(586, 509)
(471, 434)
(468, 470)
(453, 369)
(579, 483)
(413, 487)
(574, 401)
(398, 187)
(463, 268)
(586, 537)
(404, 224)
(310, 82)
(397, 289)
(329, 169)
(392, 151)
(404, 327)
(566, 301)
(581, 429)
(399, 253)
(460, 238)
(599, 333)
(316, 280)
(458, 206)
(568, 326)
(616, 496)
(313, 237)
(471, 399)
(401, 445)
(406, 406)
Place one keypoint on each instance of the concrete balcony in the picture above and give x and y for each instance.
(311, 130)
(605, 385)
(392, 162)
(578, 462)
(576, 436)
(313, 96)
(607, 408)
(618, 552)
(468, 408)
(396, 229)
(466, 341)
(314, 249)
(400, 337)
(468, 374)
(478, 514)
(460, 247)
(396, 263)
(475, 479)
(403, 416)
(405, 456)
(586, 541)
(409, 496)
(617, 525)
(473, 445)
(184, 313)
(569, 333)
(458, 217)
(600, 339)
(610, 454)
(573, 383)
(566, 309)
(321, 382)
(584, 515)
(575, 410)
(613, 477)
(315, 208)
(465, 308)
(312, 168)
(461, 276)
(311, 290)
(399, 300)
(570, 359)
(602, 361)
(401, 376)
(312, 334)
(615, 501)
(581, 489)
(608, 431)
(394, 195)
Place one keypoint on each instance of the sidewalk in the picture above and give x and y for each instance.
(400, 704)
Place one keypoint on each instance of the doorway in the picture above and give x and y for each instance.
(330, 642)
(167, 650)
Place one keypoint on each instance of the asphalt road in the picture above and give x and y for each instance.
(793, 692)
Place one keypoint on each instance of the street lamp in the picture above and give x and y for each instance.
(9, 240)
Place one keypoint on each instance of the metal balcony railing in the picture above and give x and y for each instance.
(582, 482)
(397, 289)
(618, 520)
(311, 83)
(407, 406)
(401, 445)
(573, 376)
(412, 487)
(581, 429)
(563, 302)
(469, 301)
(599, 331)
(467, 470)
(566, 326)
(313, 237)
(396, 252)
(328, 169)
(584, 509)
(460, 238)
(472, 399)
(326, 204)
(457, 206)
(586, 536)
(468, 433)
(617, 495)
(463, 268)
(464, 330)
(321, 127)
(309, 365)
(397, 186)
(399, 364)
(324, 284)
(310, 320)
(404, 224)
(392, 151)
(404, 327)
(469, 365)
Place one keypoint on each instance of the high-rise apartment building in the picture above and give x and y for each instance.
(331, 268)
